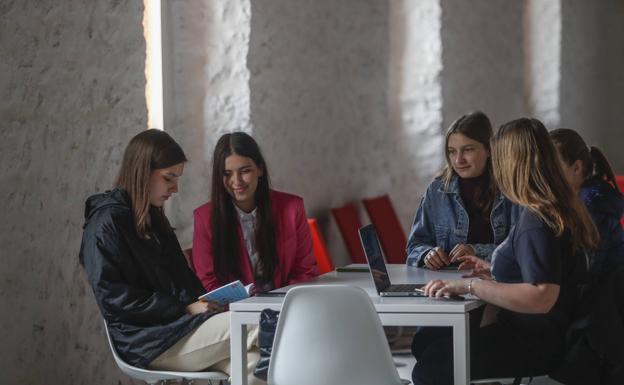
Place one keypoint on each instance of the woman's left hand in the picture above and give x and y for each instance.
(439, 288)
(460, 250)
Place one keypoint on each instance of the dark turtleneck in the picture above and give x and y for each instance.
(479, 228)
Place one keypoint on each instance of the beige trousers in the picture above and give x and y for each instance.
(208, 347)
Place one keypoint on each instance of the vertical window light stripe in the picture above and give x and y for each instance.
(152, 30)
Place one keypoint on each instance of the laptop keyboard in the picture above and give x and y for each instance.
(407, 288)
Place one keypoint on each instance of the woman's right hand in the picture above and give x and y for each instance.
(480, 268)
(437, 258)
(203, 306)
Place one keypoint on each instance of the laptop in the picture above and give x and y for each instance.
(377, 267)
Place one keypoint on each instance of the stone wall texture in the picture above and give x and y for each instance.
(348, 99)
(206, 91)
(318, 100)
(73, 92)
(414, 99)
(592, 81)
(542, 61)
(482, 56)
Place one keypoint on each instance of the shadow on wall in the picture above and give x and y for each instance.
(208, 91)
(318, 101)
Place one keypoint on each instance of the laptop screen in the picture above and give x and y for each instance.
(374, 256)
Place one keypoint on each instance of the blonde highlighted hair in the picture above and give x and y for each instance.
(528, 173)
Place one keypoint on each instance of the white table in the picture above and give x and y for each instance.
(414, 311)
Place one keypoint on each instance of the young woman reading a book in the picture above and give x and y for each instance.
(142, 284)
(535, 271)
(249, 232)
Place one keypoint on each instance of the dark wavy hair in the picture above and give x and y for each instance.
(148, 151)
(225, 242)
(476, 126)
(595, 165)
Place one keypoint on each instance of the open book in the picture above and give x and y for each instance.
(231, 292)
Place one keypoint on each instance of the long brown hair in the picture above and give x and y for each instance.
(476, 126)
(225, 243)
(148, 151)
(527, 171)
(594, 164)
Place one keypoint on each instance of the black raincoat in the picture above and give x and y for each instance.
(142, 286)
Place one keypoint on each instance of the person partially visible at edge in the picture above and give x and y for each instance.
(140, 278)
(535, 274)
(591, 177)
(248, 231)
(462, 212)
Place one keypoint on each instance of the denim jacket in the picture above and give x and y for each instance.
(606, 207)
(442, 220)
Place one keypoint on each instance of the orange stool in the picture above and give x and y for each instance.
(319, 248)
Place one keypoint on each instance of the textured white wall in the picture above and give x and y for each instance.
(318, 101)
(483, 60)
(414, 102)
(206, 90)
(542, 48)
(592, 83)
(348, 99)
(73, 93)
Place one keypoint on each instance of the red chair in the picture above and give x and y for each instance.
(620, 182)
(349, 223)
(386, 222)
(319, 248)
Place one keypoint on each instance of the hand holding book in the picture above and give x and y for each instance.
(231, 292)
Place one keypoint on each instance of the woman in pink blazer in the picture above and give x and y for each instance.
(248, 231)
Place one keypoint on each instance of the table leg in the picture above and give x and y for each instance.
(238, 349)
(461, 349)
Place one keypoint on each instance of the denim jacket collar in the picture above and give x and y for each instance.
(453, 188)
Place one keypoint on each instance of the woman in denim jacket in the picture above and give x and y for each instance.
(462, 212)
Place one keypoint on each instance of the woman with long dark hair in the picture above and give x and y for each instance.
(248, 231)
(590, 175)
(535, 272)
(143, 286)
(462, 212)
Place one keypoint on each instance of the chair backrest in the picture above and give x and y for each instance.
(391, 235)
(319, 248)
(330, 335)
(349, 223)
(620, 182)
(154, 376)
(619, 179)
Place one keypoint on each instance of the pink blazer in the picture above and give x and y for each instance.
(296, 263)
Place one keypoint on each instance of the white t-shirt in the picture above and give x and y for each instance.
(248, 225)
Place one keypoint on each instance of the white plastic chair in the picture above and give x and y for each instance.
(156, 376)
(330, 335)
